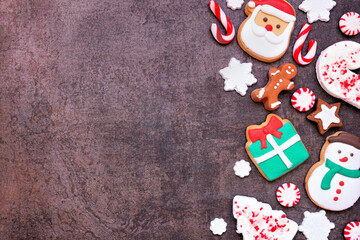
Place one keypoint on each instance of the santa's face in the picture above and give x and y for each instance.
(266, 35)
(344, 155)
(270, 23)
(271, 29)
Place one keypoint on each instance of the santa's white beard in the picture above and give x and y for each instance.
(262, 42)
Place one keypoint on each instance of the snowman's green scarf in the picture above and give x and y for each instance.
(335, 168)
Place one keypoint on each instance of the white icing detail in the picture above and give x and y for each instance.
(278, 150)
(275, 73)
(291, 83)
(327, 116)
(292, 70)
(336, 63)
(246, 208)
(316, 225)
(237, 76)
(218, 226)
(277, 84)
(261, 92)
(251, 4)
(275, 103)
(242, 168)
(275, 87)
(262, 42)
(288, 72)
(317, 9)
(350, 191)
(280, 80)
(234, 4)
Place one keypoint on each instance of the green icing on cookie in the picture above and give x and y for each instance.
(275, 167)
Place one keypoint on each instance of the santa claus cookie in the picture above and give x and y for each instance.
(265, 33)
(334, 182)
(333, 70)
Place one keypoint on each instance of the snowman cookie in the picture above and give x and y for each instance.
(266, 32)
(334, 182)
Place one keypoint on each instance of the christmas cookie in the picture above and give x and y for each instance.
(279, 80)
(303, 99)
(326, 116)
(257, 220)
(352, 231)
(237, 76)
(334, 182)
(333, 70)
(317, 9)
(218, 226)
(275, 147)
(265, 33)
(288, 194)
(316, 225)
(350, 23)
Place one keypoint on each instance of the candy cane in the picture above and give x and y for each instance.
(300, 43)
(230, 32)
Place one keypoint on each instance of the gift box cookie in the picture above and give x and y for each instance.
(275, 147)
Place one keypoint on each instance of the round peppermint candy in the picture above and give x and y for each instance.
(288, 194)
(303, 99)
(350, 23)
(352, 231)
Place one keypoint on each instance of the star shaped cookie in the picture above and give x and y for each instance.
(326, 116)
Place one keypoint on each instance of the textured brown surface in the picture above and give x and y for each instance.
(115, 125)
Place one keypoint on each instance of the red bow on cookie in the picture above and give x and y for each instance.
(271, 128)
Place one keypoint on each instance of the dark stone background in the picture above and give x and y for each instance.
(115, 125)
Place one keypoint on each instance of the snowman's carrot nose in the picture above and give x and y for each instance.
(344, 159)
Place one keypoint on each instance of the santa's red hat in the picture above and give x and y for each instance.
(277, 8)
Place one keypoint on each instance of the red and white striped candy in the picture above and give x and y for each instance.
(304, 32)
(303, 99)
(352, 231)
(288, 194)
(350, 23)
(230, 32)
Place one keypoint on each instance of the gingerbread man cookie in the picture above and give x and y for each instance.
(265, 33)
(279, 80)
